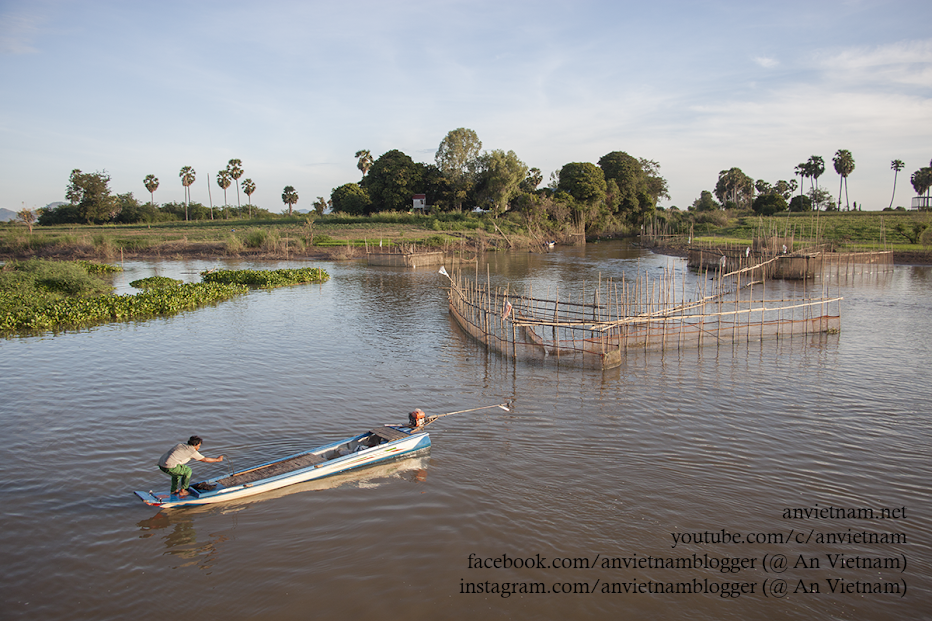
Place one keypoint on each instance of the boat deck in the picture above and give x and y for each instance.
(298, 462)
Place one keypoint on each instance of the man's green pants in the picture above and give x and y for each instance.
(181, 476)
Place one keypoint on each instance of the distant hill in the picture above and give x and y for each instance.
(6, 215)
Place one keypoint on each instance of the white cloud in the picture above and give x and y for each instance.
(16, 33)
(765, 62)
(903, 62)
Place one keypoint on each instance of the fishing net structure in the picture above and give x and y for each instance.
(599, 327)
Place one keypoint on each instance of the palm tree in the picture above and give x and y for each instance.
(289, 197)
(803, 171)
(248, 188)
(896, 166)
(922, 181)
(365, 161)
(152, 184)
(235, 169)
(844, 166)
(223, 180)
(816, 168)
(187, 178)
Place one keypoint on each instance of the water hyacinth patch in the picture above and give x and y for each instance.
(38, 312)
(44, 295)
(267, 279)
(155, 282)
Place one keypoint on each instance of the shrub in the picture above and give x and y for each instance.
(103, 244)
(769, 204)
(233, 244)
(926, 238)
(716, 218)
(256, 238)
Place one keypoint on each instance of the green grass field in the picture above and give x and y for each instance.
(301, 236)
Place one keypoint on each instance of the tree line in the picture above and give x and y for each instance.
(614, 195)
(90, 200)
(736, 190)
(610, 196)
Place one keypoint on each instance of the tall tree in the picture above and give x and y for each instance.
(655, 184)
(289, 197)
(763, 187)
(922, 182)
(844, 166)
(638, 184)
(152, 184)
(365, 161)
(500, 176)
(533, 179)
(224, 181)
(705, 202)
(457, 158)
(735, 186)
(585, 183)
(392, 181)
(320, 205)
(351, 199)
(249, 187)
(896, 166)
(816, 168)
(187, 175)
(235, 170)
(90, 194)
(802, 170)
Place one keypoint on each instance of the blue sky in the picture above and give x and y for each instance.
(294, 89)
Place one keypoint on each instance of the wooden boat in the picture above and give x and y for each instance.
(375, 446)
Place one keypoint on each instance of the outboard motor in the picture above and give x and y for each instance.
(417, 418)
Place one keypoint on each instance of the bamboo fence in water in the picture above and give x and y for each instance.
(598, 328)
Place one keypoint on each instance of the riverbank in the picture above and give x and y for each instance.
(327, 240)
(900, 257)
(335, 238)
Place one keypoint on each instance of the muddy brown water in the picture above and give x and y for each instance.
(678, 471)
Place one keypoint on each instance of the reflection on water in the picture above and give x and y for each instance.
(180, 536)
(181, 540)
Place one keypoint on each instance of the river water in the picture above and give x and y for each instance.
(674, 470)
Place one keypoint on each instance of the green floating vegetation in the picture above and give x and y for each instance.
(99, 268)
(267, 279)
(35, 311)
(155, 282)
(43, 295)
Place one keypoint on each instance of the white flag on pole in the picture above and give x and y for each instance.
(444, 271)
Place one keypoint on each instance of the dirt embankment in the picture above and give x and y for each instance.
(203, 251)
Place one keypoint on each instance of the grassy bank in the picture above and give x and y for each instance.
(332, 237)
(909, 234)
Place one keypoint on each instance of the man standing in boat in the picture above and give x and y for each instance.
(173, 463)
